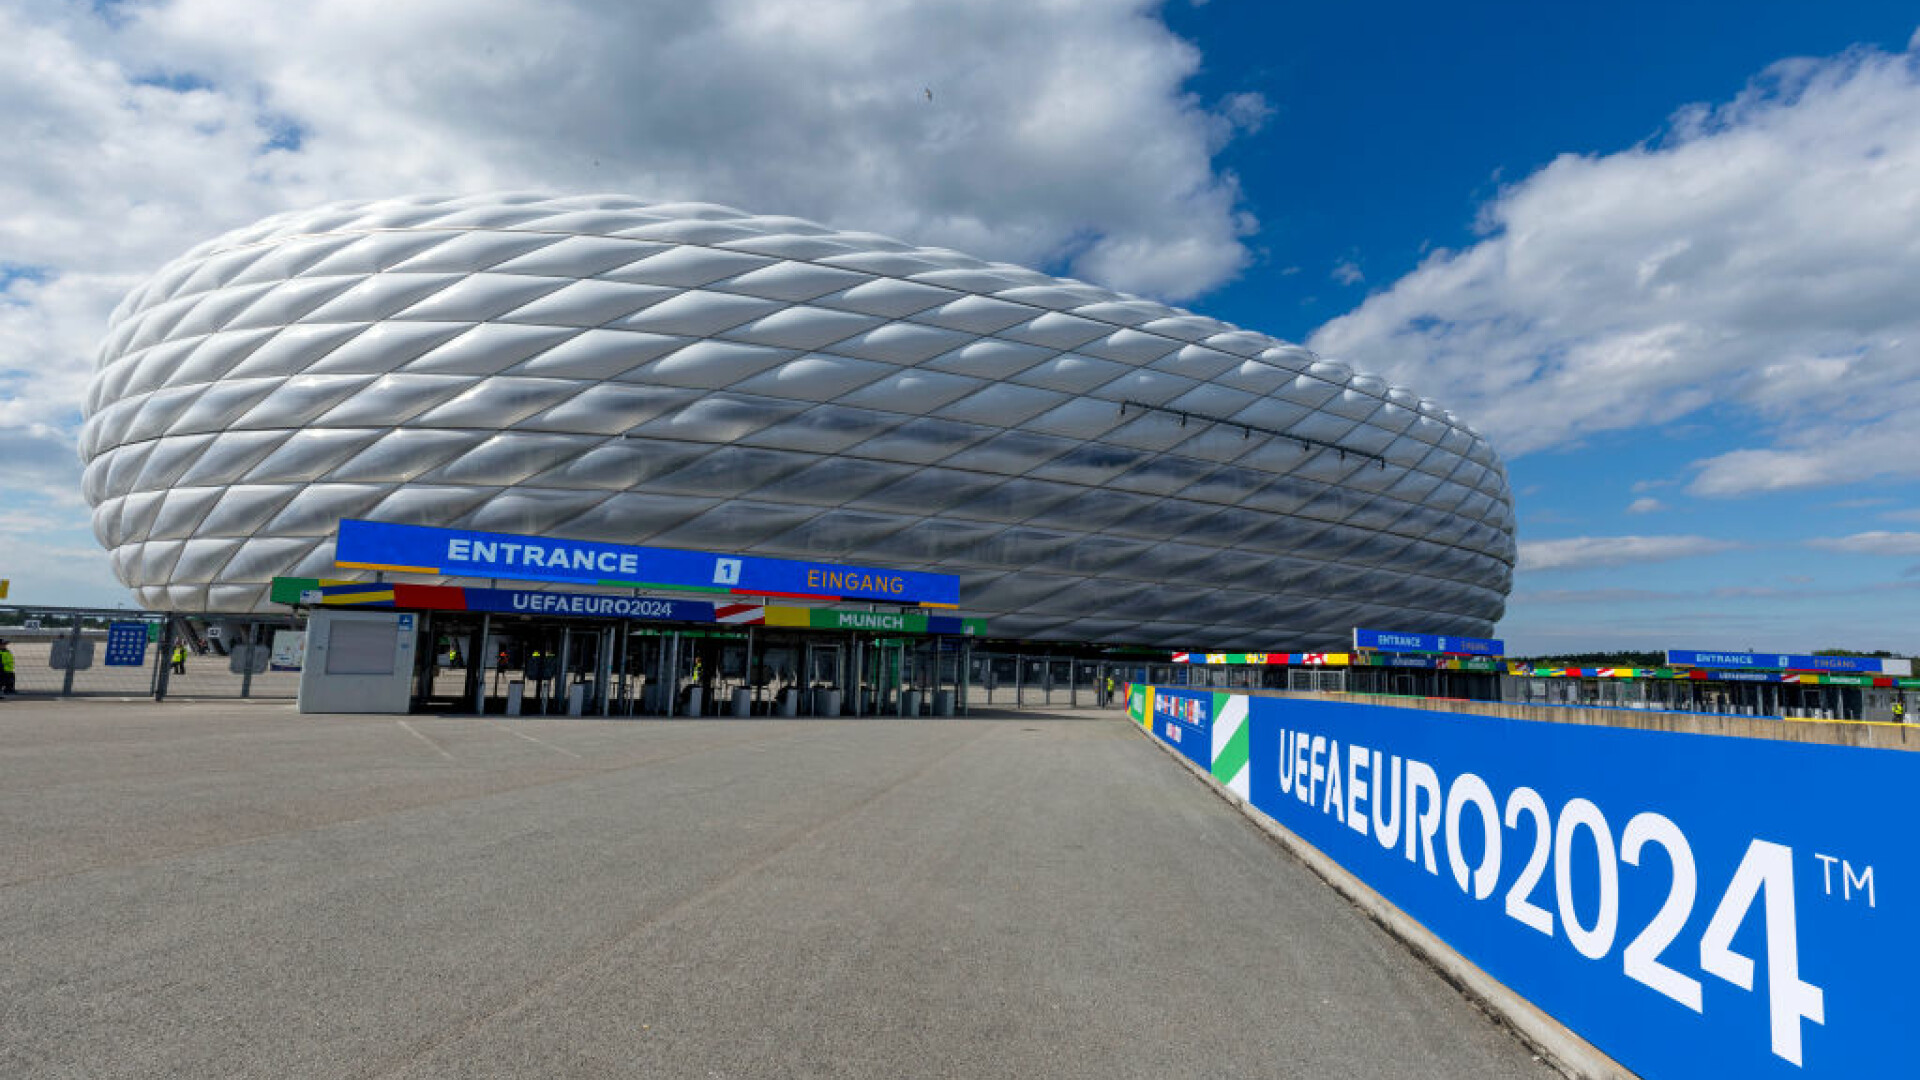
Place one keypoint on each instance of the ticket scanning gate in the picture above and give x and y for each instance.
(527, 666)
(491, 664)
(522, 666)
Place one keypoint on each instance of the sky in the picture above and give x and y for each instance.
(1665, 257)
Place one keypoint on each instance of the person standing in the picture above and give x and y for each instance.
(180, 658)
(535, 669)
(6, 667)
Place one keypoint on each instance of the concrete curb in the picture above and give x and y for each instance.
(1547, 1037)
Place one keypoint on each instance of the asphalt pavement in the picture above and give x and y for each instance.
(235, 890)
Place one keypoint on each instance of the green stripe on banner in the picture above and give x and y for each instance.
(1231, 741)
(287, 590)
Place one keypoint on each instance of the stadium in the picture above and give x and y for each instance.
(1091, 466)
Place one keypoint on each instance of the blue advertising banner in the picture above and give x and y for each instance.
(1399, 641)
(423, 549)
(592, 605)
(1692, 905)
(126, 644)
(1774, 661)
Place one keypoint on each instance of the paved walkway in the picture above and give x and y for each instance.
(235, 890)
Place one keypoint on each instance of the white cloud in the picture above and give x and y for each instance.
(1765, 253)
(50, 559)
(1646, 505)
(1058, 135)
(1347, 272)
(1246, 111)
(1583, 552)
(1877, 542)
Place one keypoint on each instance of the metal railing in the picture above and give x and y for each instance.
(1023, 681)
(121, 653)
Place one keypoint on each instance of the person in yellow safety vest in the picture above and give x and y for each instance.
(180, 659)
(1109, 698)
(696, 670)
(1899, 710)
(6, 667)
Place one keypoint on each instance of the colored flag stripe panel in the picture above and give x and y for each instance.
(334, 593)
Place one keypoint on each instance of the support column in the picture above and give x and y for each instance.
(603, 670)
(858, 684)
(477, 671)
(966, 674)
(165, 657)
(670, 685)
(625, 630)
(426, 659)
(246, 670)
(753, 688)
(566, 665)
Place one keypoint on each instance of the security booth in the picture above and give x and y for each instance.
(510, 651)
(1325, 673)
(873, 662)
(1407, 663)
(1799, 685)
(358, 661)
(631, 651)
(522, 651)
(1397, 663)
(1790, 686)
(1459, 678)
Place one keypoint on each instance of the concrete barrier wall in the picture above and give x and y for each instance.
(1862, 733)
(1688, 905)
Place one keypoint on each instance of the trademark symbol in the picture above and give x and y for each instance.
(1850, 882)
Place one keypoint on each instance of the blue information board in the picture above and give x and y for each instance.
(1774, 661)
(1692, 905)
(127, 644)
(424, 549)
(1400, 641)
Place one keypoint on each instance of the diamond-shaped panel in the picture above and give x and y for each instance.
(602, 367)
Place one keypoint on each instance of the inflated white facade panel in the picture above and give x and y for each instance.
(1093, 466)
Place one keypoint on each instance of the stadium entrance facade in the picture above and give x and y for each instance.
(728, 651)
(512, 651)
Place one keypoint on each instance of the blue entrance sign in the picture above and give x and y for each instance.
(127, 644)
(1868, 665)
(1399, 641)
(588, 605)
(1693, 905)
(422, 549)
